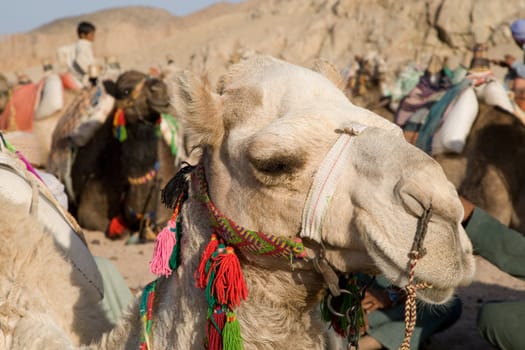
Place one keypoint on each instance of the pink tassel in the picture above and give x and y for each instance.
(160, 264)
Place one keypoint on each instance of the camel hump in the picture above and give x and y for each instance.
(20, 186)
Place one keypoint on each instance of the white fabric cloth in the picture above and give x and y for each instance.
(55, 187)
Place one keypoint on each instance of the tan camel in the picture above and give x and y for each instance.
(265, 133)
(38, 298)
(489, 171)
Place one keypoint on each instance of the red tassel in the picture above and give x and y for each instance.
(116, 228)
(119, 125)
(229, 286)
(215, 335)
(119, 118)
(201, 278)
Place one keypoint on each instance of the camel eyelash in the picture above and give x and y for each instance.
(278, 165)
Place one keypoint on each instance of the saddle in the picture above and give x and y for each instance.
(24, 188)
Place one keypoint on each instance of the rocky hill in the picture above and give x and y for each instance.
(297, 30)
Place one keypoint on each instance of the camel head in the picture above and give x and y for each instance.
(140, 100)
(266, 132)
(143, 99)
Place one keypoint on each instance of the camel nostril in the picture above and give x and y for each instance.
(412, 197)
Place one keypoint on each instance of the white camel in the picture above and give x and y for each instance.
(273, 136)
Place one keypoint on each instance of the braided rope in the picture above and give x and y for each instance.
(416, 253)
(410, 303)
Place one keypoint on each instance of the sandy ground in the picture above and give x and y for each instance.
(489, 284)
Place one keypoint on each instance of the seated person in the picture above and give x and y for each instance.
(516, 67)
(414, 107)
(499, 322)
(384, 307)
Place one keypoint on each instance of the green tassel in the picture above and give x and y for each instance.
(342, 304)
(173, 124)
(207, 291)
(121, 133)
(231, 334)
(175, 254)
(326, 315)
(173, 145)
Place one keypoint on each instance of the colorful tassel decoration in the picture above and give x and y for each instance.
(119, 125)
(231, 333)
(175, 254)
(164, 244)
(216, 323)
(347, 304)
(210, 276)
(146, 314)
(116, 228)
(200, 275)
(166, 251)
(228, 285)
(220, 275)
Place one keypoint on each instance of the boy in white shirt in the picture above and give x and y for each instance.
(84, 51)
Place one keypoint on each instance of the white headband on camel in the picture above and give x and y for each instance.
(325, 181)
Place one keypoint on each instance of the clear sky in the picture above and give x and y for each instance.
(24, 15)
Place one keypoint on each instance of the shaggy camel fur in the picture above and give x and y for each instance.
(264, 134)
(38, 300)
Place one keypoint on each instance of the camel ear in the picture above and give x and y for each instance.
(111, 87)
(329, 71)
(199, 108)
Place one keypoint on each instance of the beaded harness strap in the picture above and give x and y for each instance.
(144, 179)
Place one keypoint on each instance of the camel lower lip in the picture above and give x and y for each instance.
(430, 294)
(434, 295)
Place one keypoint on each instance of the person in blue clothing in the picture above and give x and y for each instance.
(516, 67)
(500, 322)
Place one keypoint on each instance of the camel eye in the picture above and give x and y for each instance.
(271, 166)
(123, 93)
(279, 165)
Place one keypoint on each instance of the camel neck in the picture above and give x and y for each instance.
(139, 152)
(279, 306)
